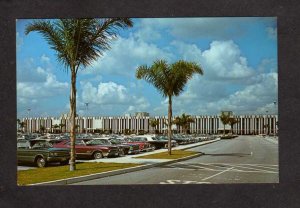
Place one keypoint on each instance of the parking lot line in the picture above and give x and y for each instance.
(218, 174)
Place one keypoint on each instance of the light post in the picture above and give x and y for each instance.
(28, 111)
(87, 105)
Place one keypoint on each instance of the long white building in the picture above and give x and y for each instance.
(247, 124)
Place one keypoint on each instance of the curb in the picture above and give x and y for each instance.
(112, 173)
(208, 142)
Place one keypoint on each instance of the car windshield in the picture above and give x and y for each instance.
(115, 141)
(97, 142)
(139, 139)
(162, 138)
(42, 145)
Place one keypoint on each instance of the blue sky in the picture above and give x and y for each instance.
(238, 56)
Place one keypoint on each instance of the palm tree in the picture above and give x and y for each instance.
(42, 129)
(169, 80)
(225, 120)
(23, 125)
(61, 125)
(18, 124)
(232, 121)
(77, 43)
(153, 123)
(266, 127)
(184, 121)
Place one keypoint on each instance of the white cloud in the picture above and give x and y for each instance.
(272, 32)
(45, 59)
(125, 56)
(224, 60)
(26, 91)
(211, 27)
(110, 98)
(104, 93)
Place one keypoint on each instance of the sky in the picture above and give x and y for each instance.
(238, 56)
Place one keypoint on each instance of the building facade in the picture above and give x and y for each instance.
(247, 124)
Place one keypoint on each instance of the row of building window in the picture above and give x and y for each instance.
(253, 124)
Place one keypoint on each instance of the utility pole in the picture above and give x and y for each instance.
(87, 105)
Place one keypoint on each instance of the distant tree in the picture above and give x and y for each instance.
(42, 129)
(61, 125)
(225, 120)
(232, 121)
(153, 123)
(184, 121)
(266, 129)
(23, 125)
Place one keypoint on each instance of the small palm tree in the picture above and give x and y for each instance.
(177, 121)
(225, 120)
(18, 124)
(266, 127)
(23, 125)
(232, 121)
(153, 123)
(169, 80)
(42, 129)
(77, 43)
(185, 121)
(61, 125)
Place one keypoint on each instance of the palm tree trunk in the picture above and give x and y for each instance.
(224, 131)
(169, 125)
(72, 119)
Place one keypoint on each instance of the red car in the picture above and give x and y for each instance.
(84, 149)
(143, 144)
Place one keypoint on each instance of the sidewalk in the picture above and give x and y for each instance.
(133, 159)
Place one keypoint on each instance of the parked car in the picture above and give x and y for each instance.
(85, 150)
(157, 142)
(123, 149)
(41, 153)
(164, 139)
(142, 142)
(179, 139)
(133, 148)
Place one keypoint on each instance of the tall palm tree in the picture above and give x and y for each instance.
(169, 80)
(153, 123)
(225, 120)
(232, 121)
(77, 43)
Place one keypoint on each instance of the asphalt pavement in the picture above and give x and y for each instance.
(245, 159)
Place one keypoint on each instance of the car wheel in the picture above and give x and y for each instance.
(121, 153)
(97, 155)
(40, 162)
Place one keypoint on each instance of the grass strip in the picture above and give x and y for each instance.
(176, 154)
(62, 172)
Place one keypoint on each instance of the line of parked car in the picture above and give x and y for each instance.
(42, 150)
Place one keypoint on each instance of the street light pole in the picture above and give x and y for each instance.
(87, 105)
